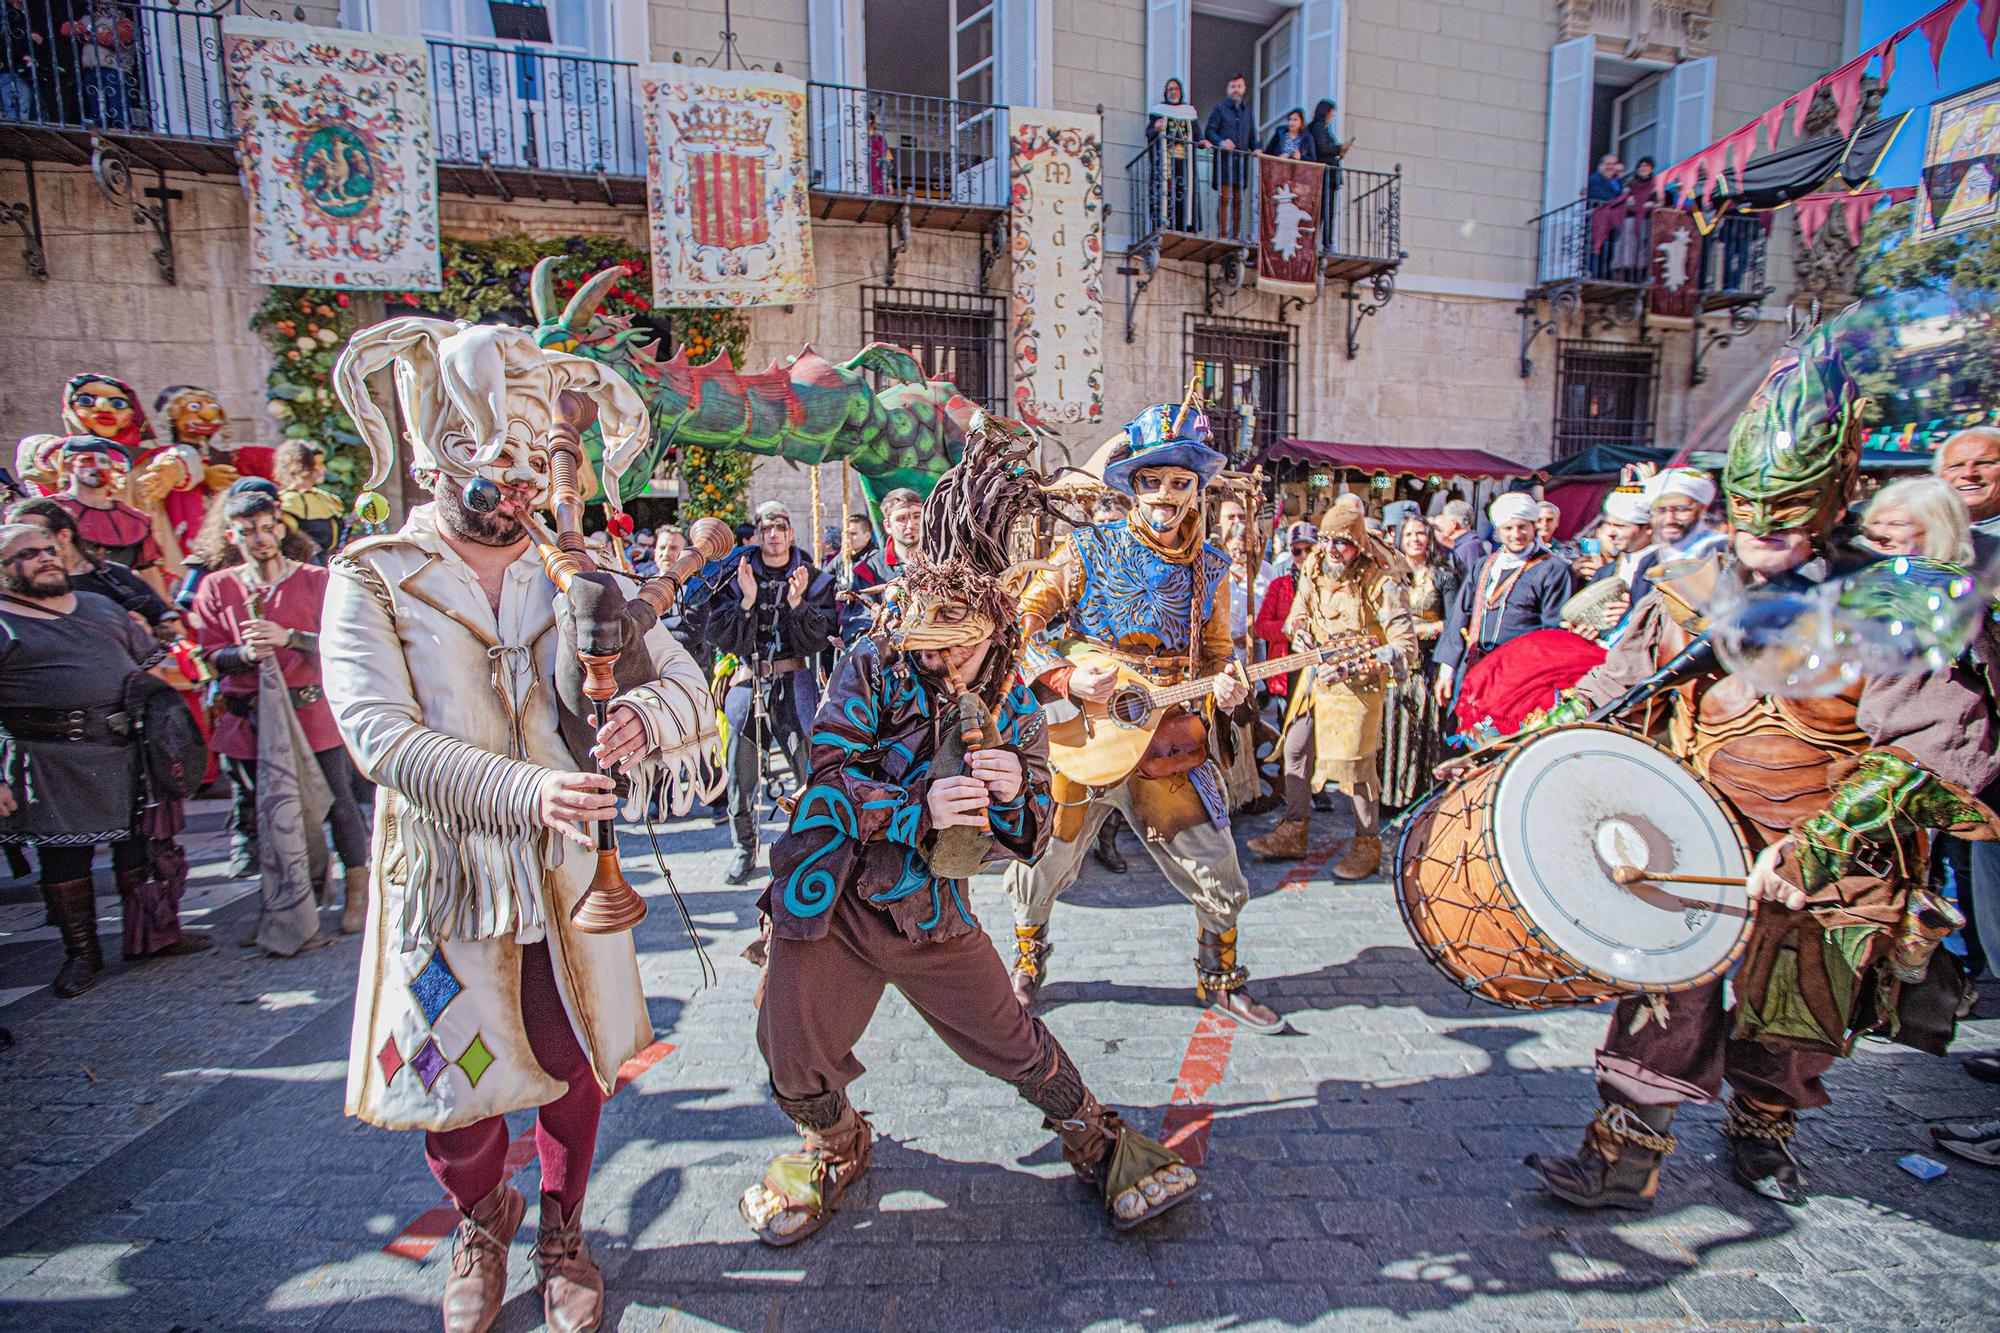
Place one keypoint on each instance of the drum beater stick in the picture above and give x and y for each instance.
(1640, 875)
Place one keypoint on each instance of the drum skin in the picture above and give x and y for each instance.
(1469, 921)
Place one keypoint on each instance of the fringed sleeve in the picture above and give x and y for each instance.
(682, 762)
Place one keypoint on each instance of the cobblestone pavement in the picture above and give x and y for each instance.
(173, 1154)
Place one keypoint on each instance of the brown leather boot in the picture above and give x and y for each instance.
(1220, 984)
(1760, 1150)
(1287, 842)
(72, 905)
(1618, 1165)
(1031, 956)
(477, 1286)
(1361, 860)
(354, 910)
(572, 1287)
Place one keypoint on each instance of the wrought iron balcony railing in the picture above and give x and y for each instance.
(1611, 245)
(530, 109)
(1191, 199)
(870, 144)
(149, 69)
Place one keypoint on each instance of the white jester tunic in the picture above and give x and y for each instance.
(451, 709)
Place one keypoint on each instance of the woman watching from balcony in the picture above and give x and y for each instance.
(1292, 139)
(1169, 141)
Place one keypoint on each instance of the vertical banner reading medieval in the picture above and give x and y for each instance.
(1290, 198)
(334, 140)
(1057, 219)
(726, 187)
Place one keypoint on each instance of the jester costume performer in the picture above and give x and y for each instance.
(1333, 726)
(1840, 792)
(1148, 594)
(928, 759)
(448, 659)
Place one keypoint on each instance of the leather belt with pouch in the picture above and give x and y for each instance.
(245, 705)
(107, 724)
(784, 666)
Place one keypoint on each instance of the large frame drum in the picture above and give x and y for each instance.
(1505, 879)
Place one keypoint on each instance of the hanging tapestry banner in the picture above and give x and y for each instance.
(334, 143)
(726, 187)
(1675, 293)
(1057, 220)
(1290, 198)
(1961, 161)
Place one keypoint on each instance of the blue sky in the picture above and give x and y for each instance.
(1965, 64)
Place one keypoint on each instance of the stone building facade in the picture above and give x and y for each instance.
(1470, 103)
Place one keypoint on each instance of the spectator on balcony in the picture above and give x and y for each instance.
(1607, 182)
(1231, 132)
(21, 55)
(1632, 256)
(107, 61)
(1170, 133)
(1327, 150)
(1292, 138)
(881, 162)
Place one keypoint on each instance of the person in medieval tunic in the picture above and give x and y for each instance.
(868, 886)
(1838, 792)
(478, 994)
(1146, 595)
(1517, 587)
(1333, 725)
(93, 474)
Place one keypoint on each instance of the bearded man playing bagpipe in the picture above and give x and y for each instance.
(928, 758)
(450, 661)
(1840, 787)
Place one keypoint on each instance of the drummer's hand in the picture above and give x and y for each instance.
(568, 801)
(958, 802)
(1092, 684)
(8, 805)
(1230, 690)
(1443, 687)
(621, 741)
(1766, 885)
(1615, 609)
(1453, 769)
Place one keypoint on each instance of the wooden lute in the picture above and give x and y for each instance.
(1103, 744)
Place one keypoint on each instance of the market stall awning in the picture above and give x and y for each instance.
(1401, 462)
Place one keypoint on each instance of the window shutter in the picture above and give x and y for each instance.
(1167, 24)
(826, 43)
(1685, 110)
(1572, 80)
(1016, 25)
(1317, 56)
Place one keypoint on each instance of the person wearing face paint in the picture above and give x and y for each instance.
(774, 615)
(1517, 587)
(1838, 794)
(1149, 593)
(164, 482)
(444, 649)
(865, 893)
(93, 472)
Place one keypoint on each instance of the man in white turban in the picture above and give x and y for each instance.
(1518, 587)
(1677, 502)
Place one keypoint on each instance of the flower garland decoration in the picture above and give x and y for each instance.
(712, 480)
(305, 328)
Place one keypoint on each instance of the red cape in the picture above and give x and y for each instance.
(1523, 676)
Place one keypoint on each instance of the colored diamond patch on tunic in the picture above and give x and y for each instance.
(476, 1060)
(390, 1059)
(435, 987)
(429, 1062)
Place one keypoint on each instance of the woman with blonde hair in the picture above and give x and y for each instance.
(1919, 516)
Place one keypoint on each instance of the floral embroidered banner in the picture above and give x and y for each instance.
(334, 142)
(1057, 167)
(726, 187)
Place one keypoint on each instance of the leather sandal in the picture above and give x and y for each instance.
(801, 1191)
(1223, 986)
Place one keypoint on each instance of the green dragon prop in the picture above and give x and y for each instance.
(809, 411)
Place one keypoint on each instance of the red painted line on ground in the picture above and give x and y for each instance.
(1294, 880)
(416, 1241)
(1185, 1128)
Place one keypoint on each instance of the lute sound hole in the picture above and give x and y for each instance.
(1130, 705)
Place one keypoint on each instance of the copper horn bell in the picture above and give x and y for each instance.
(610, 904)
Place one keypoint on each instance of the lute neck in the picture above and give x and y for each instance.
(1196, 689)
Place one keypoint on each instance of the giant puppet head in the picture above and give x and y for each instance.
(480, 401)
(107, 407)
(1163, 463)
(194, 416)
(1795, 453)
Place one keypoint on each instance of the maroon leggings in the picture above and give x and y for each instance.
(471, 1161)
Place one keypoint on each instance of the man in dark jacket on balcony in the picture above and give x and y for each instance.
(1231, 134)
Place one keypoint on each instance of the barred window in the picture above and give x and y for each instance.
(1247, 373)
(1605, 393)
(953, 335)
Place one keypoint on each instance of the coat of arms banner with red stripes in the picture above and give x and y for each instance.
(727, 187)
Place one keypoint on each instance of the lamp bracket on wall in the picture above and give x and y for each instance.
(1142, 263)
(899, 242)
(1564, 301)
(113, 174)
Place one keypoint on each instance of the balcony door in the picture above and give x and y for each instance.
(979, 128)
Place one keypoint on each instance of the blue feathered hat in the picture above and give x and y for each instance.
(1165, 435)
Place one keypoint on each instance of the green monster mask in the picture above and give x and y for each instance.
(1794, 452)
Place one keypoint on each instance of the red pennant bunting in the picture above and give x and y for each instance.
(1845, 85)
(1902, 194)
(1710, 165)
(1812, 211)
(1887, 51)
(1936, 25)
(1772, 123)
(1742, 146)
(1855, 210)
(1989, 22)
(1801, 103)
